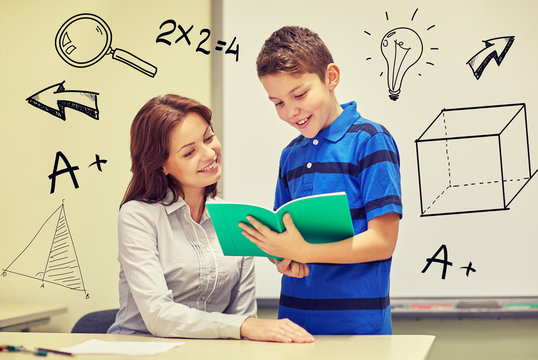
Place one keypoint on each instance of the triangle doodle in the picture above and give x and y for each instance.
(50, 256)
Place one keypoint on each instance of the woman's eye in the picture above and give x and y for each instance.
(189, 153)
(280, 103)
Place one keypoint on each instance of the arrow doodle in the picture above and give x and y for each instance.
(55, 99)
(496, 48)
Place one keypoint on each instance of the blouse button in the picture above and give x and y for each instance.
(309, 165)
(315, 142)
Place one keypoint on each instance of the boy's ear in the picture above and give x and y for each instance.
(332, 76)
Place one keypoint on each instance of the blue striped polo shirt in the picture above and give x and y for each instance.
(359, 157)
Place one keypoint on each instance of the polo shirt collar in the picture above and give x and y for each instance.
(340, 126)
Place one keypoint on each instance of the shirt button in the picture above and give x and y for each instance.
(309, 165)
(315, 142)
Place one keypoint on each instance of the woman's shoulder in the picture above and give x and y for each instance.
(140, 207)
(141, 214)
(136, 204)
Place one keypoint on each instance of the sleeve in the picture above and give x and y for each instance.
(139, 258)
(243, 297)
(380, 176)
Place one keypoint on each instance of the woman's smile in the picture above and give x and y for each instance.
(210, 168)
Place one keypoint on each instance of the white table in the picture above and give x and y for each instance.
(371, 347)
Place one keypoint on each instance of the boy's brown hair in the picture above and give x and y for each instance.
(294, 50)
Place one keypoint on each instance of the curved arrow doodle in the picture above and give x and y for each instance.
(496, 48)
(55, 99)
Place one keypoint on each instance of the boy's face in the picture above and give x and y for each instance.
(304, 101)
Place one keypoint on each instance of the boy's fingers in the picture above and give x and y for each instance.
(302, 270)
(254, 239)
(245, 227)
(288, 221)
(250, 231)
(257, 225)
(293, 269)
(283, 264)
(297, 270)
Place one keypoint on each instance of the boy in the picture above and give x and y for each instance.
(342, 287)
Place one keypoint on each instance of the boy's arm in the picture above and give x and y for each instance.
(376, 243)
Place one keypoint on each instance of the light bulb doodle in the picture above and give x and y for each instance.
(402, 48)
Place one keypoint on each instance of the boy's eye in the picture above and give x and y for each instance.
(209, 138)
(300, 95)
(280, 103)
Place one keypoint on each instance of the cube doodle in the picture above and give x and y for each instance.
(473, 159)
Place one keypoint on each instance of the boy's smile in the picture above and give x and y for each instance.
(304, 101)
(304, 122)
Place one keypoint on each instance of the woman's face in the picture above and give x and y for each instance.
(195, 154)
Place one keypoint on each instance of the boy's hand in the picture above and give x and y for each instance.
(291, 268)
(288, 245)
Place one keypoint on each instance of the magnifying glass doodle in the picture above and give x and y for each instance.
(84, 39)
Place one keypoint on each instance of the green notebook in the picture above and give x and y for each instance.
(319, 218)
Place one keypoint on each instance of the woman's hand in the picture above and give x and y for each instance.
(281, 330)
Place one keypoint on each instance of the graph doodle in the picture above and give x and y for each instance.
(50, 256)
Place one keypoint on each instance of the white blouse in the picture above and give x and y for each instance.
(174, 279)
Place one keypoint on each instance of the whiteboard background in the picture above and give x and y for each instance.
(501, 245)
(30, 137)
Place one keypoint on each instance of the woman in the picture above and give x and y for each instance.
(174, 279)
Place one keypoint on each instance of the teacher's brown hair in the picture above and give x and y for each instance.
(150, 136)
